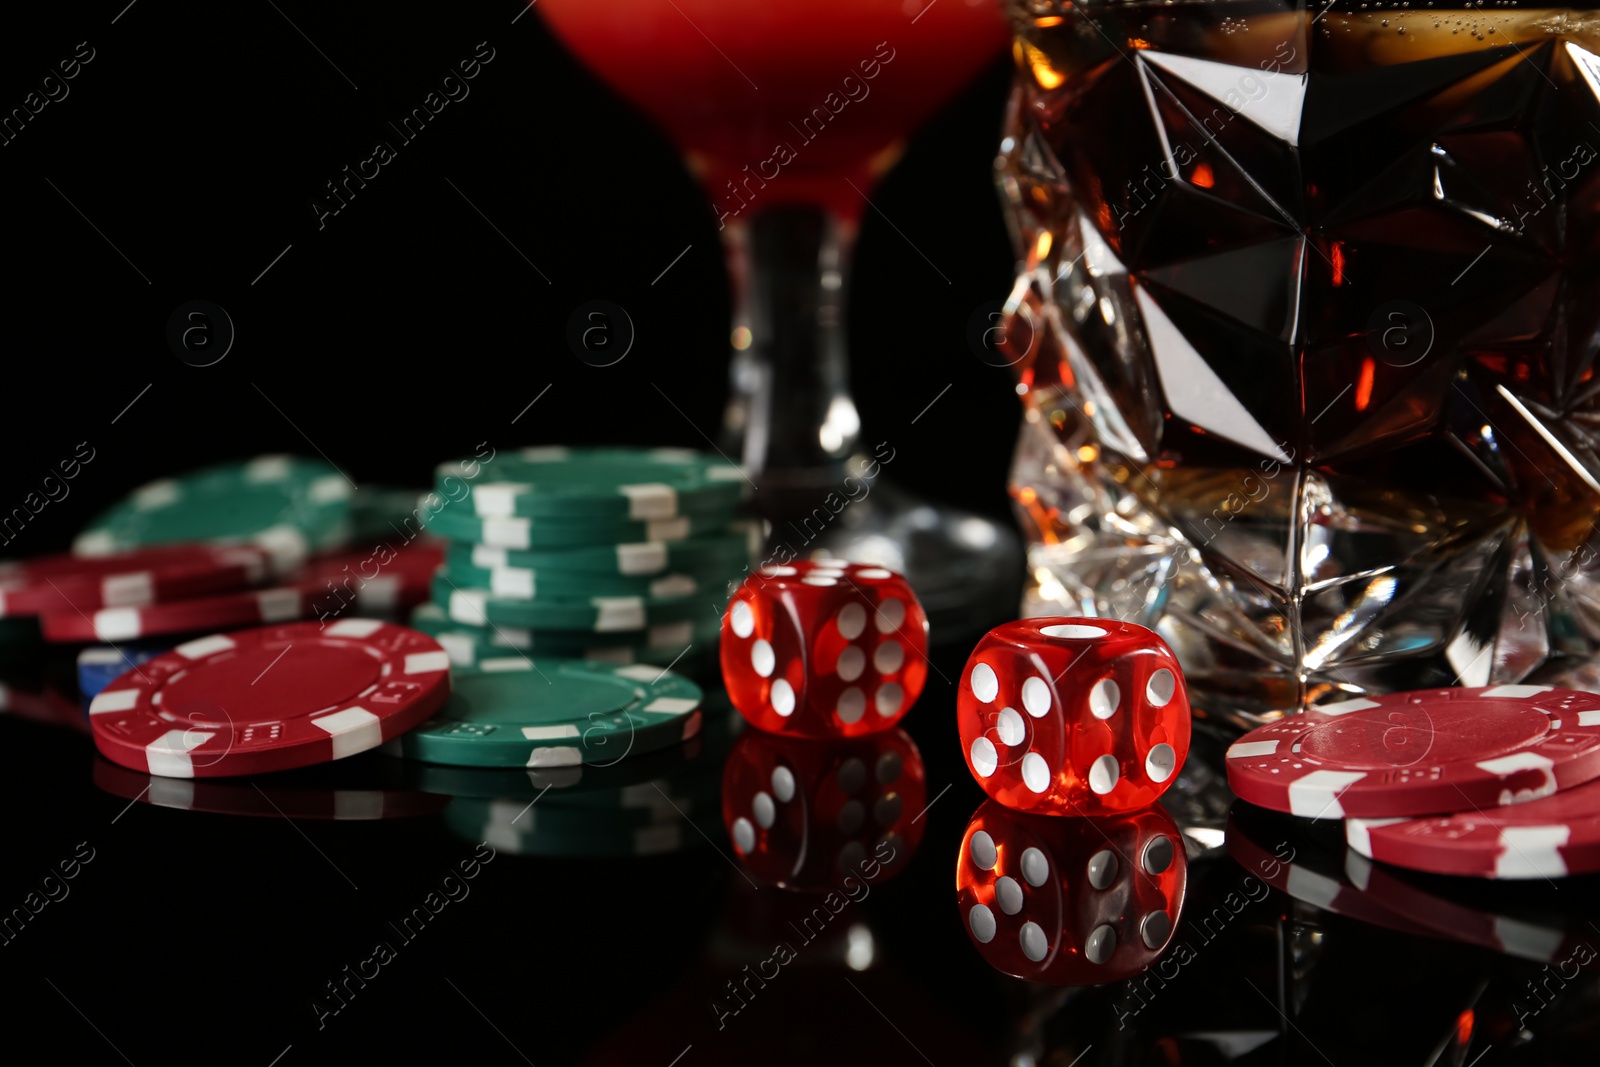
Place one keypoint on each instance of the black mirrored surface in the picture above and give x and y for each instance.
(380, 908)
(378, 911)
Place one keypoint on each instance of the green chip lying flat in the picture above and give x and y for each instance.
(288, 505)
(606, 484)
(514, 712)
(694, 767)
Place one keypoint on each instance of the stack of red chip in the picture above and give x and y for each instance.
(249, 687)
(250, 700)
(69, 585)
(184, 589)
(1494, 782)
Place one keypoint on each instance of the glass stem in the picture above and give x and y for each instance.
(790, 416)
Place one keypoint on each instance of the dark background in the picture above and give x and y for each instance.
(403, 333)
(407, 330)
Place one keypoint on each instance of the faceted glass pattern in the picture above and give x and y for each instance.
(1306, 333)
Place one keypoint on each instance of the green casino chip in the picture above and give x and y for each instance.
(288, 505)
(522, 583)
(458, 524)
(515, 712)
(601, 484)
(597, 614)
(735, 547)
(693, 768)
(682, 642)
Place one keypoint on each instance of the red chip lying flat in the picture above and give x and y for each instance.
(270, 699)
(72, 584)
(1423, 753)
(1549, 838)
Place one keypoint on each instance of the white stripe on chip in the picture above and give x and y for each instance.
(168, 755)
(201, 647)
(112, 700)
(1316, 796)
(1532, 852)
(651, 500)
(353, 729)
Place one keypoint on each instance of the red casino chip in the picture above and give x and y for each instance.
(325, 589)
(73, 584)
(1548, 838)
(1427, 752)
(270, 699)
(229, 611)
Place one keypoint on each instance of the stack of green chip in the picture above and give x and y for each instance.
(622, 555)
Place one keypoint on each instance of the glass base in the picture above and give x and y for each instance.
(966, 569)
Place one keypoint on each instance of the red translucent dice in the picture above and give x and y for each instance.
(1072, 716)
(824, 649)
(1071, 901)
(807, 814)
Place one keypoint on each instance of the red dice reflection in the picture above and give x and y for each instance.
(824, 649)
(1070, 901)
(1073, 716)
(804, 814)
